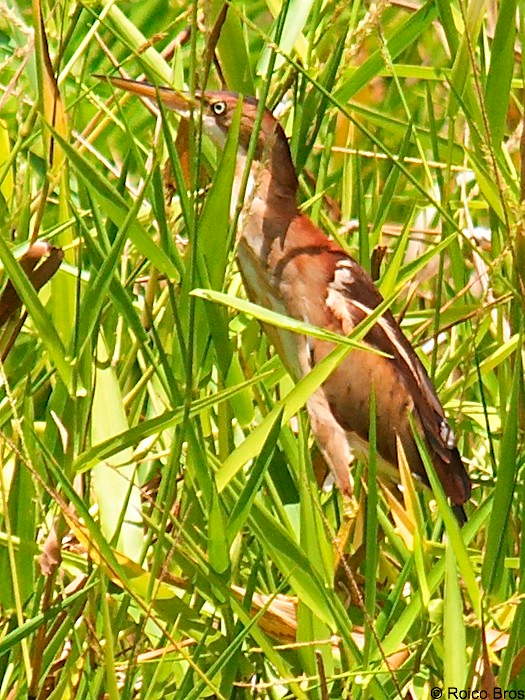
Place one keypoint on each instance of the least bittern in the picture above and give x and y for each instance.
(289, 265)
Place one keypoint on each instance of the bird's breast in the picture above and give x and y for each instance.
(261, 290)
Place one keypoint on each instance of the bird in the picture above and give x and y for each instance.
(289, 265)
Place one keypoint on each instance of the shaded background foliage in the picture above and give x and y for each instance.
(162, 530)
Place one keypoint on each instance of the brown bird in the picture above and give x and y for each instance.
(289, 265)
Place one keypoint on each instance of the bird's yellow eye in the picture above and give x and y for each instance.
(218, 108)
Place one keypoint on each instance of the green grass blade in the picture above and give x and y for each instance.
(403, 37)
(454, 640)
(505, 484)
(501, 70)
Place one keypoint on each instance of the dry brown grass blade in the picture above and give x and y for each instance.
(49, 258)
(52, 104)
(518, 664)
(51, 555)
(487, 680)
(403, 522)
(279, 620)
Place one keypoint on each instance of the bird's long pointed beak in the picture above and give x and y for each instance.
(172, 99)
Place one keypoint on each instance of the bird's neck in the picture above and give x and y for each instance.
(269, 202)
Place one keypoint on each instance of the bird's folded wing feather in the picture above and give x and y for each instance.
(351, 297)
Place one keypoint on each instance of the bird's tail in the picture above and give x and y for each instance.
(460, 514)
(455, 481)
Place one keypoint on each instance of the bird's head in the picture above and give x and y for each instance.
(218, 109)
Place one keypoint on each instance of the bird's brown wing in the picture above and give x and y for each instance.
(351, 297)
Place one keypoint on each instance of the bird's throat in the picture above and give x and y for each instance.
(269, 199)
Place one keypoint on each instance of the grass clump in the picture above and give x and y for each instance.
(141, 557)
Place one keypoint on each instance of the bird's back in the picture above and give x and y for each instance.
(321, 284)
